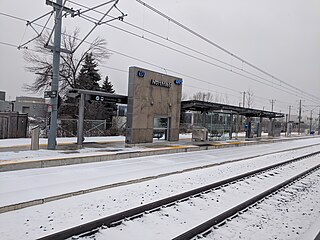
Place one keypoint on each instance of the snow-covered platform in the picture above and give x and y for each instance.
(15, 156)
(31, 195)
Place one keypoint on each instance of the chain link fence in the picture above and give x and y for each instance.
(68, 128)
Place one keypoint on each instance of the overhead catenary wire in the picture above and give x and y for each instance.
(157, 65)
(219, 47)
(230, 70)
(298, 93)
(180, 74)
(93, 20)
(181, 45)
(125, 71)
(9, 44)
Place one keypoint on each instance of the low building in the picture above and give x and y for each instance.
(34, 107)
(5, 106)
(13, 125)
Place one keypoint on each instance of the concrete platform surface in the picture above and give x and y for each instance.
(14, 153)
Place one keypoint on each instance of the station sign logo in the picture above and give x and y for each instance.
(141, 74)
(178, 81)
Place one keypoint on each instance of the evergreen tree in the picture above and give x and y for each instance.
(88, 77)
(109, 109)
(107, 86)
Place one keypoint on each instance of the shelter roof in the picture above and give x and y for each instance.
(203, 106)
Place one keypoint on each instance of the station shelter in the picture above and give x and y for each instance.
(221, 120)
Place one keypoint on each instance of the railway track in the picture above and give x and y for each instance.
(284, 214)
(203, 193)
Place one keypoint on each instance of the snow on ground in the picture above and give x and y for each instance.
(27, 141)
(64, 140)
(31, 184)
(114, 145)
(185, 215)
(40, 220)
(290, 214)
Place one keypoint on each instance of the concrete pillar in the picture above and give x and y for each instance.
(80, 121)
(259, 130)
(270, 127)
(231, 127)
(204, 119)
(249, 128)
(248, 132)
(35, 133)
(237, 125)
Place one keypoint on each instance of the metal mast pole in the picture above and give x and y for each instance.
(244, 99)
(288, 123)
(299, 118)
(55, 80)
(243, 104)
(286, 129)
(319, 123)
(289, 113)
(310, 122)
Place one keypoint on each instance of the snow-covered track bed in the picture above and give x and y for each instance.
(292, 212)
(188, 209)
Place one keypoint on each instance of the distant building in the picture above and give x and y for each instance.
(2, 96)
(5, 106)
(34, 107)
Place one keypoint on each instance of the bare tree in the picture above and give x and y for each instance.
(210, 97)
(226, 99)
(39, 61)
(203, 96)
(250, 98)
(184, 96)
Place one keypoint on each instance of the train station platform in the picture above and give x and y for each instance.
(15, 153)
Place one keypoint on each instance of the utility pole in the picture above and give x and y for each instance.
(58, 9)
(310, 122)
(288, 123)
(299, 118)
(244, 99)
(55, 80)
(272, 102)
(319, 123)
(286, 129)
(289, 113)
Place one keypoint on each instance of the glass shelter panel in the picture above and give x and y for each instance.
(160, 128)
(219, 125)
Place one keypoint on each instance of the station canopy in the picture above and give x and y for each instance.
(203, 106)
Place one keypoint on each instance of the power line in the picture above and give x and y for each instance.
(181, 74)
(230, 70)
(93, 20)
(181, 45)
(166, 68)
(219, 47)
(14, 17)
(9, 44)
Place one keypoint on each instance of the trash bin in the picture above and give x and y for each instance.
(199, 134)
(35, 133)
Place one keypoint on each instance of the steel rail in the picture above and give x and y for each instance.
(204, 228)
(116, 219)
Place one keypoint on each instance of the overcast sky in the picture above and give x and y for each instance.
(280, 37)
